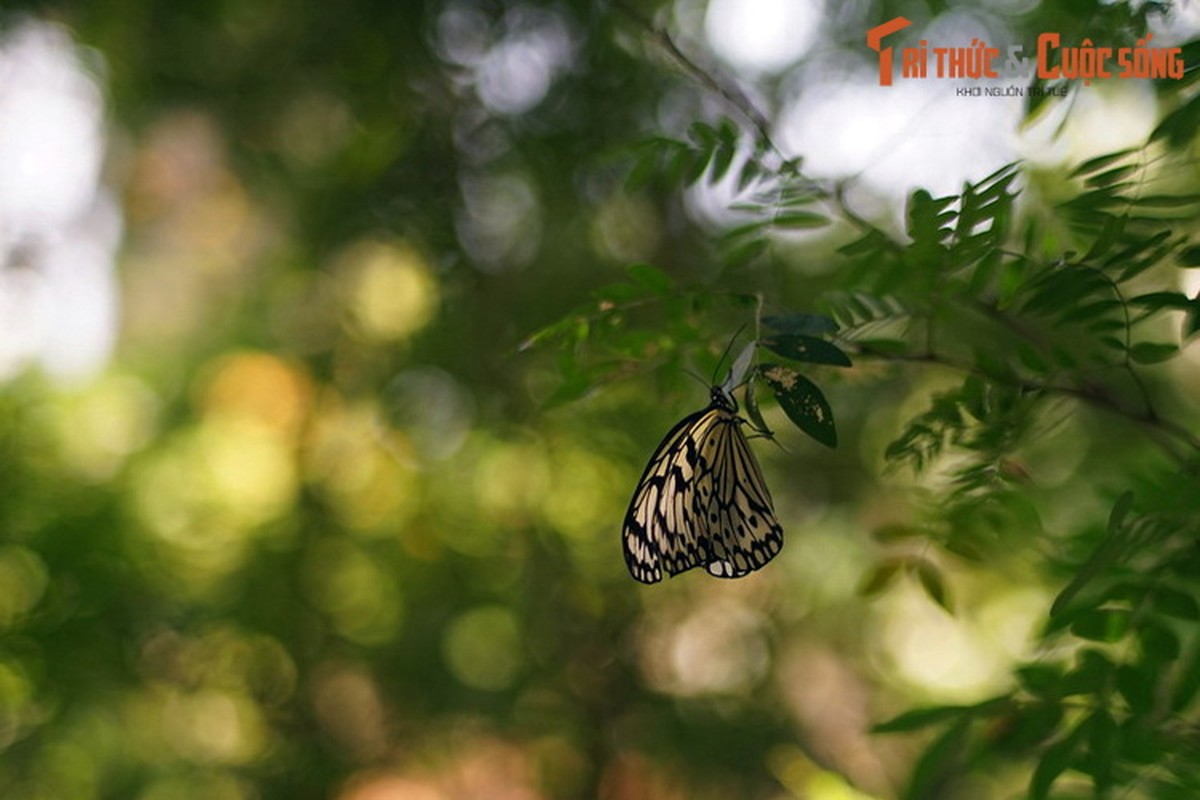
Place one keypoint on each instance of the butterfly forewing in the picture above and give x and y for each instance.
(702, 501)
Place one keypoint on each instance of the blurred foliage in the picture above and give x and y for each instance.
(342, 517)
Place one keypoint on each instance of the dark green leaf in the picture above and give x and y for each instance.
(651, 278)
(795, 220)
(940, 761)
(1100, 162)
(1152, 352)
(1111, 176)
(801, 324)
(1054, 762)
(1189, 256)
(932, 582)
(1102, 733)
(1137, 686)
(802, 401)
(1102, 624)
(806, 348)
(1159, 642)
(1175, 603)
(1040, 679)
(880, 578)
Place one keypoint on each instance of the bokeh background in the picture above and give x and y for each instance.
(286, 511)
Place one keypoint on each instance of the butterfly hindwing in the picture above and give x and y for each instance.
(701, 501)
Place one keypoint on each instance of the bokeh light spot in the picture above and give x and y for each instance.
(483, 648)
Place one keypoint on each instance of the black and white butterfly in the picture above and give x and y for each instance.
(702, 501)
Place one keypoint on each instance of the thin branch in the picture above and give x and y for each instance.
(1164, 429)
(731, 94)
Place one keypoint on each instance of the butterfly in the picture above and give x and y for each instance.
(702, 501)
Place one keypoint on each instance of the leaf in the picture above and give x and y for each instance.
(799, 220)
(918, 718)
(1137, 686)
(651, 278)
(938, 763)
(880, 578)
(1152, 352)
(1111, 176)
(1054, 762)
(933, 583)
(1159, 642)
(1102, 733)
(1175, 603)
(1099, 162)
(1189, 256)
(1040, 679)
(1102, 624)
(801, 324)
(806, 348)
(802, 401)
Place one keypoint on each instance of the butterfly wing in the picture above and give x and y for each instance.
(701, 501)
(743, 533)
(662, 530)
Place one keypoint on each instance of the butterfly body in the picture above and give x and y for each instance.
(702, 501)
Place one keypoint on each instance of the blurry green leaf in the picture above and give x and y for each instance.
(1175, 603)
(802, 401)
(1031, 725)
(650, 278)
(1100, 162)
(1152, 352)
(1159, 641)
(796, 220)
(881, 577)
(1089, 675)
(1179, 126)
(933, 583)
(1102, 624)
(1102, 731)
(941, 759)
(1189, 256)
(1040, 679)
(1054, 761)
(1137, 687)
(808, 349)
(1111, 176)
(918, 718)
(801, 324)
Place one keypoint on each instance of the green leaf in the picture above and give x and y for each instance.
(1089, 676)
(917, 718)
(1137, 687)
(1152, 352)
(1054, 762)
(933, 583)
(1099, 162)
(1159, 642)
(1040, 679)
(939, 761)
(806, 348)
(880, 578)
(802, 401)
(801, 324)
(1189, 256)
(1102, 734)
(752, 411)
(1111, 176)
(1175, 603)
(798, 220)
(651, 278)
(1102, 624)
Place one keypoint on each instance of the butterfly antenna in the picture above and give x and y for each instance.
(725, 354)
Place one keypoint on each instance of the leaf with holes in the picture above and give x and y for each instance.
(802, 401)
